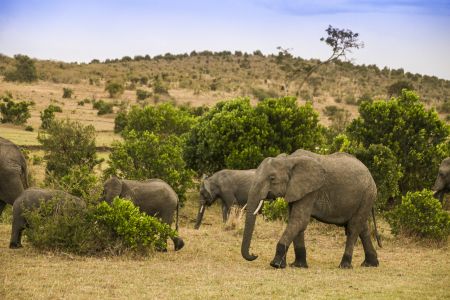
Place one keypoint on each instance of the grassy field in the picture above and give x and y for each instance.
(210, 266)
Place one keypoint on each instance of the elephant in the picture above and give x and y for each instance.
(155, 197)
(13, 173)
(231, 186)
(31, 198)
(335, 189)
(442, 183)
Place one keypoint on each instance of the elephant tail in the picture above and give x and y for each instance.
(24, 176)
(377, 236)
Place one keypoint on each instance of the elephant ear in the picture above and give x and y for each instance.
(306, 176)
(207, 186)
(115, 186)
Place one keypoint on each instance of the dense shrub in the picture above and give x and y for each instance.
(276, 210)
(147, 155)
(25, 70)
(102, 107)
(66, 144)
(67, 93)
(14, 112)
(114, 89)
(421, 215)
(79, 181)
(98, 228)
(162, 119)
(142, 94)
(48, 115)
(416, 137)
(235, 135)
(396, 88)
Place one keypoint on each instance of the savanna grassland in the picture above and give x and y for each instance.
(210, 266)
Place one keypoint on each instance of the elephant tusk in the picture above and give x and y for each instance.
(259, 207)
(243, 207)
(202, 209)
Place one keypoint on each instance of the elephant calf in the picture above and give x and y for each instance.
(31, 199)
(231, 186)
(154, 197)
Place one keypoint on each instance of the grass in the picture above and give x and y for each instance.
(210, 266)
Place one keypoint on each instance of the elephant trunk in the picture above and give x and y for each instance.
(201, 211)
(254, 199)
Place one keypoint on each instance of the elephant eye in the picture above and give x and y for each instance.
(271, 177)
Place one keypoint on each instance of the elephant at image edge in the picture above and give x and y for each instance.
(13, 173)
(231, 186)
(442, 184)
(335, 189)
(154, 197)
(31, 198)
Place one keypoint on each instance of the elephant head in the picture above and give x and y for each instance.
(112, 188)
(284, 176)
(208, 194)
(442, 184)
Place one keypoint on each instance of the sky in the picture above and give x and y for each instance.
(409, 34)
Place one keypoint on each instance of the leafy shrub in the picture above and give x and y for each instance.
(120, 121)
(102, 107)
(162, 119)
(147, 155)
(416, 136)
(276, 210)
(48, 115)
(114, 89)
(79, 181)
(25, 70)
(64, 225)
(14, 112)
(67, 93)
(66, 144)
(29, 128)
(421, 215)
(142, 94)
(135, 229)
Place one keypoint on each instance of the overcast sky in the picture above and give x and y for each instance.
(409, 34)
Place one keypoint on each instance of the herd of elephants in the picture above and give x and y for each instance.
(335, 189)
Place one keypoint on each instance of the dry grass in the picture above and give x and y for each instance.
(210, 266)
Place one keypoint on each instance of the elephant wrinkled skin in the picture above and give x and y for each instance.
(231, 186)
(13, 173)
(31, 199)
(154, 197)
(442, 184)
(335, 189)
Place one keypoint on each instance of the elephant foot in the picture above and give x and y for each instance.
(15, 245)
(346, 262)
(279, 261)
(299, 264)
(179, 243)
(370, 262)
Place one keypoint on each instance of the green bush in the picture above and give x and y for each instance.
(163, 119)
(14, 112)
(137, 230)
(416, 136)
(276, 210)
(79, 181)
(120, 121)
(420, 215)
(114, 89)
(142, 94)
(6, 216)
(102, 107)
(29, 128)
(25, 70)
(66, 144)
(48, 115)
(160, 88)
(63, 225)
(67, 93)
(147, 155)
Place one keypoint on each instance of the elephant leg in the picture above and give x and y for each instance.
(370, 254)
(225, 212)
(178, 243)
(299, 215)
(16, 233)
(352, 232)
(300, 251)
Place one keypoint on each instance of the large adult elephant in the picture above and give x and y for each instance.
(13, 173)
(442, 183)
(231, 186)
(30, 199)
(335, 189)
(155, 197)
